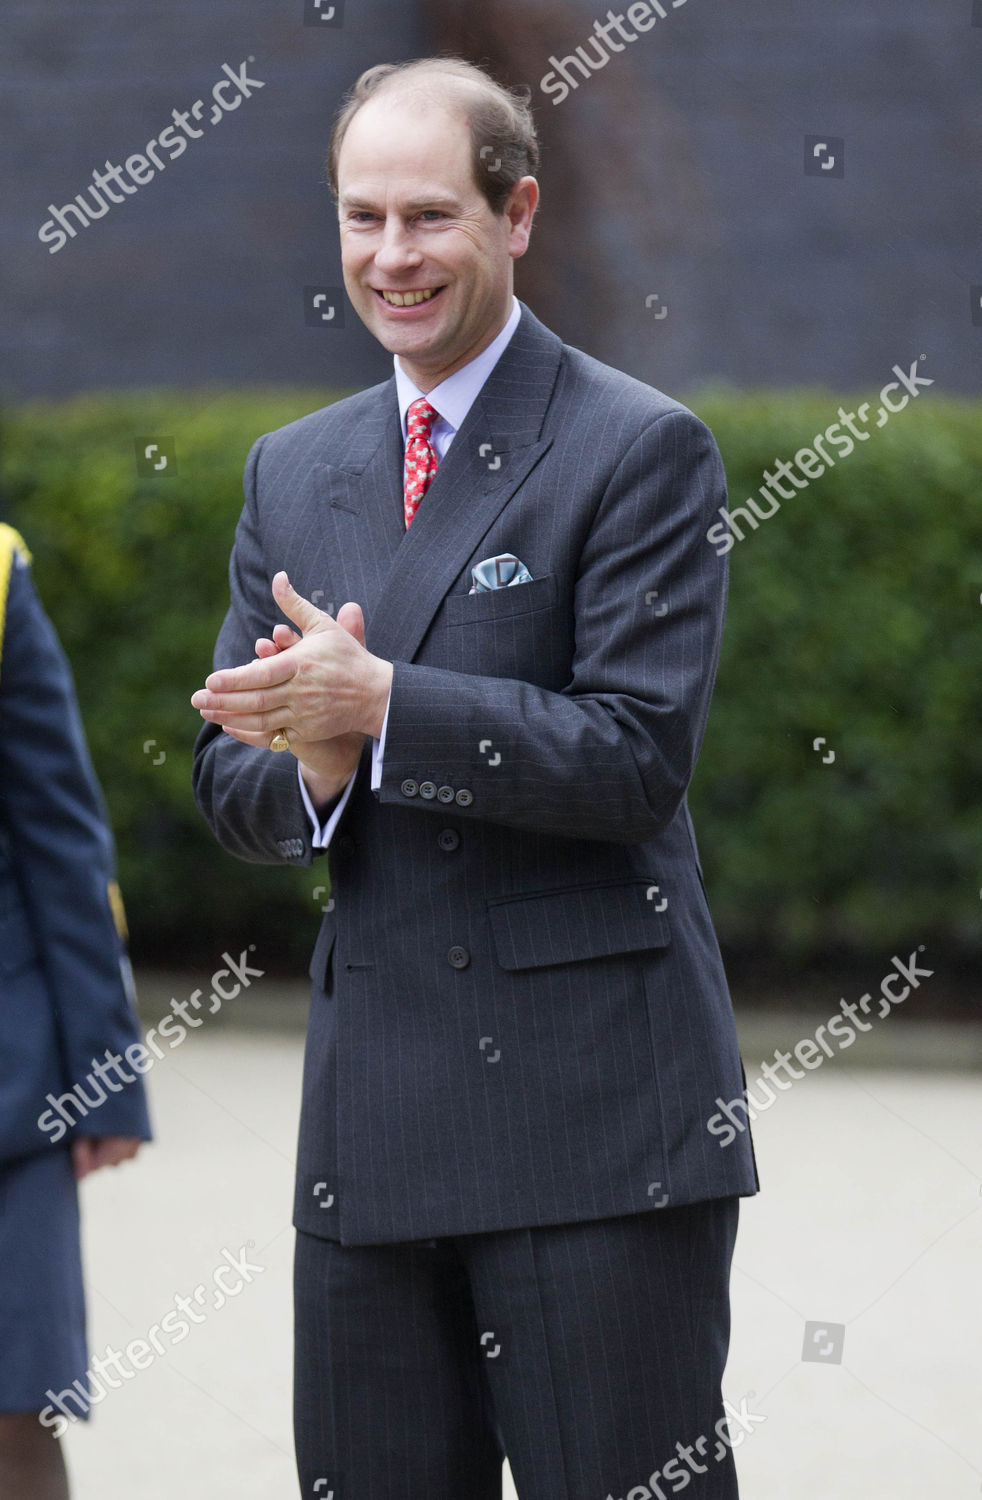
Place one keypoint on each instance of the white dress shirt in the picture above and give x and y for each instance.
(452, 399)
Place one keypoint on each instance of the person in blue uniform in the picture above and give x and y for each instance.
(66, 1009)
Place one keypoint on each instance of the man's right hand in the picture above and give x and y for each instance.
(326, 765)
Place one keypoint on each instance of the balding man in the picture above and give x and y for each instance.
(514, 1225)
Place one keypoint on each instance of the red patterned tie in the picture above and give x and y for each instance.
(421, 459)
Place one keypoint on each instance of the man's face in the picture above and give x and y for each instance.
(412, 219)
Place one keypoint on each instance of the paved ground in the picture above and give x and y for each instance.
(871, 1217)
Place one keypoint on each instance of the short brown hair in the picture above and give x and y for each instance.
(503, 138)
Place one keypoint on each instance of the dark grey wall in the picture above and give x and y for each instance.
(774, 276)
(676, 171)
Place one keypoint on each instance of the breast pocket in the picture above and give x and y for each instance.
(519, 631)
(501, 604)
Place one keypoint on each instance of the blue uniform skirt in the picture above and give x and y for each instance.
(42, 1302)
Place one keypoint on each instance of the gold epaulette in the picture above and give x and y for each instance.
(12, 545)
(118, 910)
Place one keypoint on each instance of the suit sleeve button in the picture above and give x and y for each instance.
(464, 797)
(409, 788)
(459, 958)
(448, 838)
(427, 789)
(445, 793)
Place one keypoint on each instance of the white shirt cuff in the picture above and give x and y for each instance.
(322, 835)
(378, 748)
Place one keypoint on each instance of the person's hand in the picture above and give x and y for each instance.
(319, 687)
(339, 757)
(90, 1152)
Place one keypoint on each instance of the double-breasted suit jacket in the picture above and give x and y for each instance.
(519, 1013)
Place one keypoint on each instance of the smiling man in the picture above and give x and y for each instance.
(514, 1229)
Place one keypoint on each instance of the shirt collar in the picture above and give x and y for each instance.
(454, 397)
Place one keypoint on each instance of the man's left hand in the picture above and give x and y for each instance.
(325, 685)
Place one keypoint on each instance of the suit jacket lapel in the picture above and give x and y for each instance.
(496, 448)
(361, 486)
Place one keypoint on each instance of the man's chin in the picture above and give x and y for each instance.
(415, 343)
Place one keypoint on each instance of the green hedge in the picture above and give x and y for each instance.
(854, 616)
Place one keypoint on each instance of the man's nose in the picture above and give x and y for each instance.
(397, 249)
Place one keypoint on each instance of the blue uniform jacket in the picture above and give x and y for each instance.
(64, 994)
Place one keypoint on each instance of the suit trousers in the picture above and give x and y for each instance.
(587, 1353)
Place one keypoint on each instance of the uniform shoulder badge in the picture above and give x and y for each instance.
(13, 549)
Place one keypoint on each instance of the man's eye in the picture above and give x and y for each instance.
(431, 213)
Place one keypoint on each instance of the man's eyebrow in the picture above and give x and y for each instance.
(429, 201)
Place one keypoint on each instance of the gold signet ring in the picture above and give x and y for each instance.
(279, 741)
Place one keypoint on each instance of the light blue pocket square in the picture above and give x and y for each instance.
(498, 572)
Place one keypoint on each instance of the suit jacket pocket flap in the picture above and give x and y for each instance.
(555, 927)
(499, 604)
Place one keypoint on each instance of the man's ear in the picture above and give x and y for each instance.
(520, 211)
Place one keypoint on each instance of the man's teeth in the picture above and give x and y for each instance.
(409, 299)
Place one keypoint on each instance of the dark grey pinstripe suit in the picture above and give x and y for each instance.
(520, 1016)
